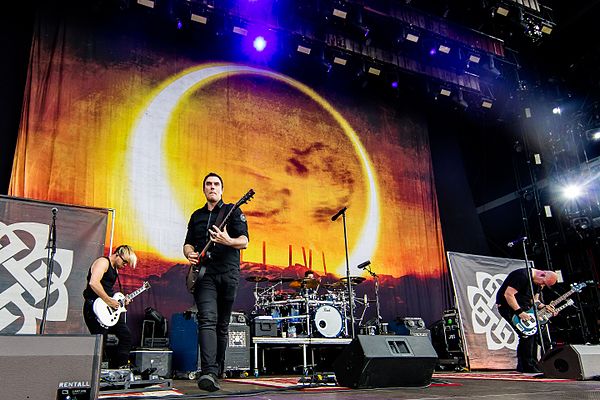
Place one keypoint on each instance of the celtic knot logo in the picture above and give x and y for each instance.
(23, 255)
(482, 298)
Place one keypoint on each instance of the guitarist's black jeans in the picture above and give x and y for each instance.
(120, 330)
(214, 295)
(527, 347)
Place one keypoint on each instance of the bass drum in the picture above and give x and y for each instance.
(328, 321)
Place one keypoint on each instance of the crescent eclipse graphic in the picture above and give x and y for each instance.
(162, 220)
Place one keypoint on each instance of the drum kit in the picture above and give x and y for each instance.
(306, 308)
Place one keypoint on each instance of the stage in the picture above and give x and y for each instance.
(489, 384)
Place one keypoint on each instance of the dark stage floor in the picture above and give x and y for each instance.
(447, 386)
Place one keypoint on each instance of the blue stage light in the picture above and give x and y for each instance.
(259, 43)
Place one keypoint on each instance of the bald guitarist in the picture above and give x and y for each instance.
(216, 286)
(514, 298)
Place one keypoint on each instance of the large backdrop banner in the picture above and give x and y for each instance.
(24, 258)
(490, 341)
(117, 115)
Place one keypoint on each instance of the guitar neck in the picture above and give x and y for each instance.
(136, 292)
(221, 225)
(562, 297)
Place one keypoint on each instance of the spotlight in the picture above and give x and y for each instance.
(502, 11)
(474, 58)
(445, 92)
(146, 3)
(593, 134)
(339, 60)
(432, 51)
(240, 31)
(201, 19)
(486, 103)
(259, 43)
(412, 37)
(303, 49)
(395, 84)
(556, 111)
(444, 49)
(572, 191)
(490, 67)
(340, 13)
(374, 71)
(546, 29)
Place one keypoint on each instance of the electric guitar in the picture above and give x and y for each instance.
(529, 327)
(108, 316)
(197, 271)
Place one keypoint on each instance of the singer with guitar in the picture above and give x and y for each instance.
(514, 298)
(216, 254)
(101, 278)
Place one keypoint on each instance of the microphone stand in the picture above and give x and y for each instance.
(51, 246)
(376, 279)
(535, 313)
(342, 212)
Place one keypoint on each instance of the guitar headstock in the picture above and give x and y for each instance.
(577, 287)
(146, 285)
(245, 198)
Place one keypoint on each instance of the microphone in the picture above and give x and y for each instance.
(337, 214)
(54, 210)
(362, 265)
(517, 241)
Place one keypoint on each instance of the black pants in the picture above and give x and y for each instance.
(120, 329)
(214, 295)
(527, 347)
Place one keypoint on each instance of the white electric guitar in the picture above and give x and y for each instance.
(108, 316)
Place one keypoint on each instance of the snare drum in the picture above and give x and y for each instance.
(328, 321)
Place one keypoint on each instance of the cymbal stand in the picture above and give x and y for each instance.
(378, 309)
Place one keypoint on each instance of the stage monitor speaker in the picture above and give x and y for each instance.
(50, 366)
(575, 361)
(372, 361)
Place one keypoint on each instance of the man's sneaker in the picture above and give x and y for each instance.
(209, 382)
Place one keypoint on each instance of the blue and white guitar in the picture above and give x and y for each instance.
(529, 327)
(108, 316)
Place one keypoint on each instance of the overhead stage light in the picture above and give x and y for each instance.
(201, 19)
(572, 191)
(412, 37)
(444, 49)
(474, 58)
(502, 11)
(486, 103)
(146, 3)
(259, 43)
(340, 13)
(240, 31)
(303, 49)
(593, 134)
(339, 60)
(445, 92)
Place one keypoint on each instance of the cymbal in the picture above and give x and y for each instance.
(282, 279)
(256, 279)
(354, 280)
(307, 283)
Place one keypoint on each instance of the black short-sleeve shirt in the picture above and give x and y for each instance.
(519, 281)
(223, 258)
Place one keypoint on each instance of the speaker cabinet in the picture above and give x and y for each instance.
(34, 366)
(572, 362)
(386, 361)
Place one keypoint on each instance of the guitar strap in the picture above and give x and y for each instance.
(222, 212)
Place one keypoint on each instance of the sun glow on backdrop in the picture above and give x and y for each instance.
(162, 219)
